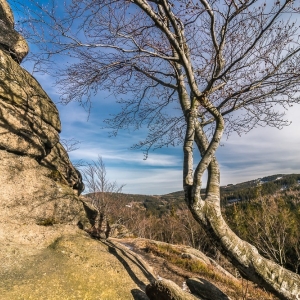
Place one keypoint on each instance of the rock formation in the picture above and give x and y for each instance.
(10, 39)
(39, 183)
(205, 289)
(43, 253)
(167, 290)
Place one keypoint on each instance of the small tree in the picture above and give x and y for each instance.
(70, 144)
(99, 190)
(226, 66)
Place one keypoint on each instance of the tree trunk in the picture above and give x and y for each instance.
(274, 278)
(245, 257)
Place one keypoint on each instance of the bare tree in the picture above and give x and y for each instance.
(70, 144)
(192, 71)
(99, 190)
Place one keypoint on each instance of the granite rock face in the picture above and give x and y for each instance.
(39, 183)
(164, 289)
(205, 289)
(29, 122)
(10, 39)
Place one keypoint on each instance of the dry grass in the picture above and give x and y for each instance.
(235, 289)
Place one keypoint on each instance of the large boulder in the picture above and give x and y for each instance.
(164, 289)
(32, 193)
(205, 289)
(39, 183)
(10, 39)
(67, 264)
(29, 123)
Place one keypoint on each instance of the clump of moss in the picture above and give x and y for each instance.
(173, 256)
(56, 176)
(47, 222)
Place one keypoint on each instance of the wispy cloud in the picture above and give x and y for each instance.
(262, 152)
(124, 156)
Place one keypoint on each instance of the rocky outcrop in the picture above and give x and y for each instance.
(32, 193)
(205, 289)
(200, 288)
(167, 290)
(30, 122)
(67, 264)
(39, 183)
(40, 188)
(10, 39)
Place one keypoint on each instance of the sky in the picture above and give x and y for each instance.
(262, 152)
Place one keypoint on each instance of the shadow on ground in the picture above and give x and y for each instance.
(135, 267)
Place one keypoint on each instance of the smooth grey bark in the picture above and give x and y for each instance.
(274, 278)
(245, 257)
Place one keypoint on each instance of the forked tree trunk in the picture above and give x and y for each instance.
(244, 256)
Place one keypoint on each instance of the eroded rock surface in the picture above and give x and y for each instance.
(167, 290)
(40, 207)
(205, 289)
(10, 39)
(38, 180)
(59, 262)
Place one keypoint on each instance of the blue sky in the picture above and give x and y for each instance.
(262, 152)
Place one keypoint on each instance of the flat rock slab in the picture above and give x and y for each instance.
(167, 290)
(62, 262)
(205, 289)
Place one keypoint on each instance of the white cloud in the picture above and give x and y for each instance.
(125, 156)
(262, 152)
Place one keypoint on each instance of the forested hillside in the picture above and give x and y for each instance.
(271, 223)
(264, 211)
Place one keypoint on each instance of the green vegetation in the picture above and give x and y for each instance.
(246, 191)
(46, 222)
(173, 255)
(56, 176)
(250, 190)
(271, 223)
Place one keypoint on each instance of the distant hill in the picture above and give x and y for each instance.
(249, 190)
(158, 205)
(260, 211)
